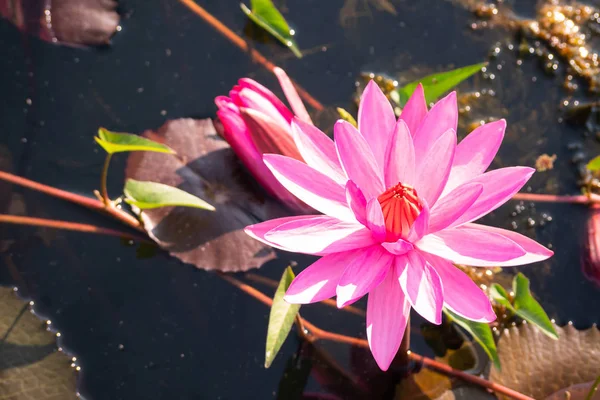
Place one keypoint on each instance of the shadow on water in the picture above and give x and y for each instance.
(157, 329)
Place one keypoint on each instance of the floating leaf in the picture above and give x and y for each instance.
(481, 332)
(207, 168)
(74, 22)
(594, 164)
(436, 85)
(346, 116)
(265, 15)
(147, 195)
(114, 142)
(536, 365)
(528, 308)
(31, 366)
(281, 318)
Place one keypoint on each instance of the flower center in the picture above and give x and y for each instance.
(401, 206)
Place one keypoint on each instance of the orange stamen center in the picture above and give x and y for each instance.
(401, 207)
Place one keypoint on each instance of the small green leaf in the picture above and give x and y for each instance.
(146, 195)
(265, 15)
(346, 116)
(481, 332)
(114, 142)
(436, 85)
(281, 318)
(500, 296)
(594, 164)
(528, 308)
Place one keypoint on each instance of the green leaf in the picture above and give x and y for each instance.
(529, 309)
(500, 296)
(114, 142)
(346, 116)
(481, 332)
(281, 318)
(436, 85)
(593, 389)
(594, 164)
(265, 15)
(146, 195)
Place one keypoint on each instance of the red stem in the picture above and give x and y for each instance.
(87, 202)
(70, 226)
(552, 198)
(320, 334)
(242, 45)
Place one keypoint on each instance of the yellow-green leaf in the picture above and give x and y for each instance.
(346, 116)
(146, 195)
(266, 15)
(436, 85)
(116, 142)
(594, 164)
(281, 318)
(529, 309)
(481, 332)
(500, 296)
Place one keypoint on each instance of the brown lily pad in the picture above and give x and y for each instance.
(205, 166)
(31, 367)
(538, 366)
(71, 22)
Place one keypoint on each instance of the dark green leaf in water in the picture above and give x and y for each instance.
(594, 164)
(281, 318)
(145, 195)
(436, 85)
(528, 308)
(346, 116)
(500, 296)
(481, 332)
(113, 142)
(295, 376)
(265, 15)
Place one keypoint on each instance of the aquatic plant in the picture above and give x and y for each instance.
(398, 199)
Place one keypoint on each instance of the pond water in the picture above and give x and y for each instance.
(154, 328)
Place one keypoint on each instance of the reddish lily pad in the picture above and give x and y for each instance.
(205, 166)
(538, 366)
(30, 364)
(71, 22)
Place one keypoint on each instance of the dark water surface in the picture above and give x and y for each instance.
(157, 329)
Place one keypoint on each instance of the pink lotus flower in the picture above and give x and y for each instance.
(399, 199)
(255, 122)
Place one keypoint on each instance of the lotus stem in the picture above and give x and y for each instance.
(70, 226)
(242, 45)
(103, 181)
(92, 204)
(320, 334)
(552, 198)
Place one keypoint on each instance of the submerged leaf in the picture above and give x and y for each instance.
(31, 366)
(528, 308)
(207, 168)
(265, 15)
(436, 85)
(70, 22)
(481, 332)
(536, 365)
(114, 142)
(281, 318)
(147, 195)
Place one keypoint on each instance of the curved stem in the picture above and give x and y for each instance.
(92, 204)
(593, 389)
(241, 44)
(70, 226)
(320, 334)
(103, 180)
